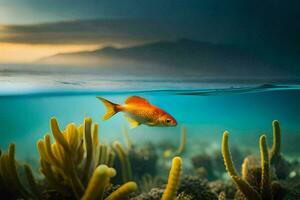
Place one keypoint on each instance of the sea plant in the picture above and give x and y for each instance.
(249, 191)
(76, 160)
(10, 179)
(124, 160)
(173, 180)
(256, 182)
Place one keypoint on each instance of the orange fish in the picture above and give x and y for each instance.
(139, 111)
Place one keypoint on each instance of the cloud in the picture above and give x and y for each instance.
(119, 31)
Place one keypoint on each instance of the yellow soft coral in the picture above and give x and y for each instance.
(122, 192)
(99, 181)
(173, 180)
(249, 191)
(71, 160)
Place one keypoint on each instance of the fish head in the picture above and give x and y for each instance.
(167, 120)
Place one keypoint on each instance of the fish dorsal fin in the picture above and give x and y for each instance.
(136, 100)
(133, 123)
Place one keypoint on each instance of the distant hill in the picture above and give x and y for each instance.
(181, 56)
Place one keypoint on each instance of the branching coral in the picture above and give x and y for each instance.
(173, 180)
(255, 182)
(76, 160)
(243, 185)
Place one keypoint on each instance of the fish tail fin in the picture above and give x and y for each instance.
(111, 108)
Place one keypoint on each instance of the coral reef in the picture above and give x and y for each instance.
(204, 166)
(261, 179)
(221, 186)
(75, 166)
(144, 160)
(197, 188)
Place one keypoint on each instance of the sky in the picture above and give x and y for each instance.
(33, 29)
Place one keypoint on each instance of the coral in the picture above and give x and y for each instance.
(173, 180)
(243, 185)
(222, 196)
(143, 160)
(124, 160)
(170, 152)
(218, 162)
(220, 186)
(76, 161)
(275, 150)
(256, 181)
(197, 188)
(204, 161)
(156, 193)
(10, 180)
(148, 182)
(265, 189)
(281, 166)
(182, 144)
(183, 196)
(128, 141)
(122, 192)
(98, 182)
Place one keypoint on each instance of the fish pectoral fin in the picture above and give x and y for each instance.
(133, 123)
(151, 124)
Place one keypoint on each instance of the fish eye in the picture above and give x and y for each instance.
(168, 121)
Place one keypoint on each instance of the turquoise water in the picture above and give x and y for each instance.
(246, 112)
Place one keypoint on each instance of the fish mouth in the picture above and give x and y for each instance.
(174, 123)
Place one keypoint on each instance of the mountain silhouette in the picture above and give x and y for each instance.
(182, 56)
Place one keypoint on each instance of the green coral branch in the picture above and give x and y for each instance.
(243, 186)
(265, 169)
(275, 150)
(88, 147)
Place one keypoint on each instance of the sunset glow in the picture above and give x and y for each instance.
(26, 53)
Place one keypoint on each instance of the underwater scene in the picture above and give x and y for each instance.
(149, 100)
(228, 143)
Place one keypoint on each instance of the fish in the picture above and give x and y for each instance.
(139, 111)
